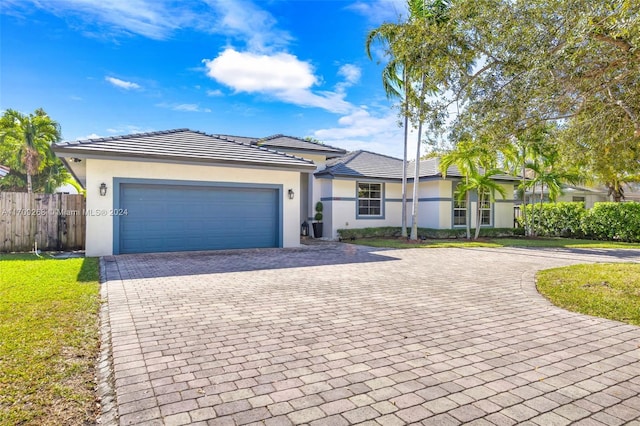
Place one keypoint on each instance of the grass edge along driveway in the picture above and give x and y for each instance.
(606, 290)
(48, 339)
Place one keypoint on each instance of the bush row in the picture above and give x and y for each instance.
(425, 233)
(605, 221)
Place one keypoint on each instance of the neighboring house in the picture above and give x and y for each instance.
(570, 193)
(182, 190)
(4, 171)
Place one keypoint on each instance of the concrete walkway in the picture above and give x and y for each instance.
(341, 335)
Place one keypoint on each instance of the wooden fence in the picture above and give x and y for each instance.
(53, 221)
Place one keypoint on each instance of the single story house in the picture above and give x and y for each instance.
(182, 190)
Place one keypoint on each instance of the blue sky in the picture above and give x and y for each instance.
(249, 68)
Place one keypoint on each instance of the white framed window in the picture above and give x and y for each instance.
(369, 200)
(485, 211)
(459, 212)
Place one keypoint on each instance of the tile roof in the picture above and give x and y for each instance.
(279, 141)
(181, 145)
(366, 164)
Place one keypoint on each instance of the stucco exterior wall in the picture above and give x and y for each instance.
(435, 209)
(99, 240)
(589, 198)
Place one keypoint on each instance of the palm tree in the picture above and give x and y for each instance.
(404, 77)
(395, 81)
(482, 182)
(27, 139)
(464, 158)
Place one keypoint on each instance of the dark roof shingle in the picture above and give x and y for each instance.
(365, 164)
(181, 145)
(285, 142)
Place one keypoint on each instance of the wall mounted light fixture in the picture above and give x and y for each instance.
(291, 194)
(103, 189)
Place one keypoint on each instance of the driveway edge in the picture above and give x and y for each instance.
(528, 287)
(104, 369)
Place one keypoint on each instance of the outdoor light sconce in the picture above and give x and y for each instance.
(291, 194)
(103, 189)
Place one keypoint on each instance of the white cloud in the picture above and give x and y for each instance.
(89, 136)
(244, 20)
(216, 92)
(159, 19)
(152, 19)
(280, 75)
(251, 72)
(126, 85)
(183, 107)
(362, 130)
(378, 11)
(350, 72)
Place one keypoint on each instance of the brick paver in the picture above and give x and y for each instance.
(342, 334)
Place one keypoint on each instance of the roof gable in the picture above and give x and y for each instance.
(181, 145)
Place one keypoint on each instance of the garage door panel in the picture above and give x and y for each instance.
(180, 218)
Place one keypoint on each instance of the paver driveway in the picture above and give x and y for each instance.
(344, 335)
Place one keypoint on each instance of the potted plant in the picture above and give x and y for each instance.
(317, 225)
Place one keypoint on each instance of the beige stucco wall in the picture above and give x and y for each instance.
(502, 209)
(589, 198)
(99, 240)
(434, 209)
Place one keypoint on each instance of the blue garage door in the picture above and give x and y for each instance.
(163, 218)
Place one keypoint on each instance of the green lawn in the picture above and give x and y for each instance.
(494, 242)
(48, 340)
(603, 290)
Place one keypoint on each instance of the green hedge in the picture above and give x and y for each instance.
(613, 221)
(424, 233)
(605, 221)
(555, 219)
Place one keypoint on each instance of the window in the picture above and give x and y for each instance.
(485, 210)
(459, 212)
(369, 199)
(579, 199)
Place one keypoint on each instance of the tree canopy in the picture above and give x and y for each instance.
(502, 69)
(25, 147)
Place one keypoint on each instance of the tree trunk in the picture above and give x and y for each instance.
(478, 214)
(532, 231)
(416, 176)
(467, 212)
(404, 175)
(29, 186)
(541, 201)
(524, 192)
(416, 181)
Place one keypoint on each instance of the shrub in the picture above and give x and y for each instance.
(613, 221)
(555, 219)
(424, 233)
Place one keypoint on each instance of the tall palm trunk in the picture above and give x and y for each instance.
(479, 214)
(524, 191)
(541, 201)
(532, 231)
(416, 181)
(467, 200)
(404, 158)
(416, 175)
